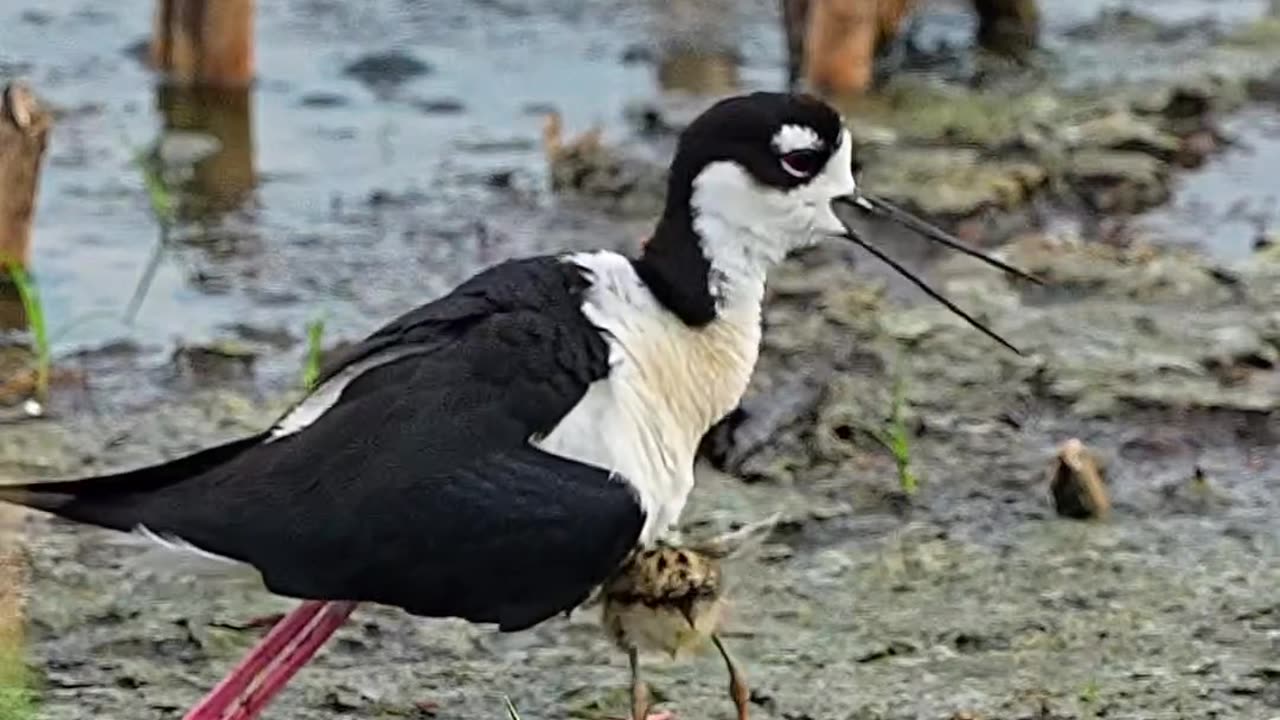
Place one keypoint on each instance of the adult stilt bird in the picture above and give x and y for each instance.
(496, 454)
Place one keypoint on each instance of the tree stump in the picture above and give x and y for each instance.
(204, 42)
(832, 44)
(24, 134)
(842, 38)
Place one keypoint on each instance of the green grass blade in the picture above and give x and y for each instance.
(311, 370)
(29, 294)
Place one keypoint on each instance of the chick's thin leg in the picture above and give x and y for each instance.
(737, 685)
(639, 690)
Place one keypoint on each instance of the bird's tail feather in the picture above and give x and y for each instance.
(115, 501)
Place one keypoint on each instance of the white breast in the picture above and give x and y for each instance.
(668, 384)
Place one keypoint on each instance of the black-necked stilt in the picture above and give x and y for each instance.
(496, 454)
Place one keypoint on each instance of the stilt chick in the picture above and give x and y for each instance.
(670, 599)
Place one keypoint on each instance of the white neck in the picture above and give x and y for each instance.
(740, 262)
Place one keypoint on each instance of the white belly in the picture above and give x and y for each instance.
(668, 384)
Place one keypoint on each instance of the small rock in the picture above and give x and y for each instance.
(276, 337)
(440, 106)
(1119, 181)
(323, 100)
(384, 69)
(1238, 345)
(223, 359)
(1266, 241)
(1265, 89)
(1123, 131)
(894, 648)
(343, 699)
(1077, 484)
(639, 54)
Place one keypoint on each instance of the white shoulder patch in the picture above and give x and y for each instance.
(326, 396)
(790, 138)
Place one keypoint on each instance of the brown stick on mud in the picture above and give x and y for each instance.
(24, 134)
(1076, 483)
(204, 42)
(1008, 27)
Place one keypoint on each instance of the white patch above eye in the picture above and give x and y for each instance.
(790, 138)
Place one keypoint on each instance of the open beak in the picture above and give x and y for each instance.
(871, 206)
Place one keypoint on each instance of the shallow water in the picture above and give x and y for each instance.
(360, 202)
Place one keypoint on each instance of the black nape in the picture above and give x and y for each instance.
(676, 271)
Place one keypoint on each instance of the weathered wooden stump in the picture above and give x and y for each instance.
(841, 38)
(204, 42)
(832, 44)
(24, 134)
(840, 44)
(205, 50)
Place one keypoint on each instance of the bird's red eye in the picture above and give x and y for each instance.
(802, 163)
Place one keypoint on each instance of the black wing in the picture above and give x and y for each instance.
(418, 487)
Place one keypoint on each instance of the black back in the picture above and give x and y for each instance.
(419, 488)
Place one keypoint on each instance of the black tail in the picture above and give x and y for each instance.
(118, 501)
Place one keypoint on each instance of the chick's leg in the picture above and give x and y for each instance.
(737, 685)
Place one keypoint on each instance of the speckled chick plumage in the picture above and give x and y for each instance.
(665, 599)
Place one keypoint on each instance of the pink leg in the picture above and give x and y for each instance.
(275, 649)
(329, 620)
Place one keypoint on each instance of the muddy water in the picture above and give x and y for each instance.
(364, 200)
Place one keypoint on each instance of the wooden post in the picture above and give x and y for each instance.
(841, 39)
(1008, 27)
(204, 42)
(24, 134)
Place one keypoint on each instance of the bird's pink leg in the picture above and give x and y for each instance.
(272, 662)
(309, 643)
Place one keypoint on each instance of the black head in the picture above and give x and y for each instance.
(753, 178)
(781, 139)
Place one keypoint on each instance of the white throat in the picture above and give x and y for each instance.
(747, 228)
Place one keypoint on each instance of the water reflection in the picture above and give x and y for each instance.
(223, 177)
(697, 43)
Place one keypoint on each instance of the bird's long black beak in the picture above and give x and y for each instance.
(875, 207)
